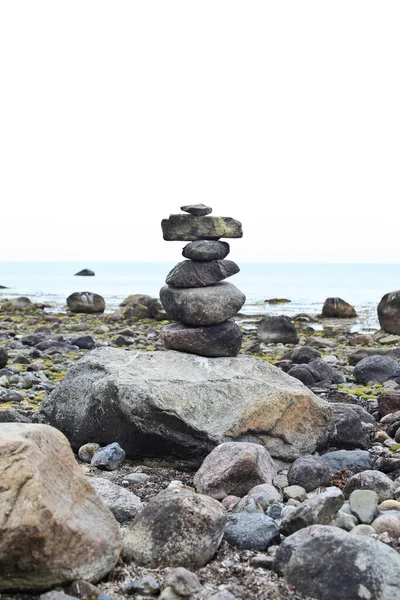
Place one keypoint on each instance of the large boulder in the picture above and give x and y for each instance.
(54, 528)
(177, 528)
(336, 308)
(86, 302)
(176, 404)
(327, 562)
(233, 468)
(202, 306)
(279, 329)
(376, 369)
(389, 312)
(191, 273)
(189, 227)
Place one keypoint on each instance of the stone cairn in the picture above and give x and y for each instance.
(196, 295)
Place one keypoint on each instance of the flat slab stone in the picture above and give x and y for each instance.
(182, 228)
(204, 250)
(198, 210)
(176, 404)
(190, 273)
(209, 305)
(216, 340)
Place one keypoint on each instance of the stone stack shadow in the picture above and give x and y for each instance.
(195, 294)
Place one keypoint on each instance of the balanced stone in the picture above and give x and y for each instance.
(198, 210)
(202, 306)
(189, 273)
(215, 340)
(203, 250)
(189, 228)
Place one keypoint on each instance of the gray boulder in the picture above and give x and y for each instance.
(3, 358)
(327, 562)
(303, 374)
(303, 355)
(177, 528)
(376, 369)
(86, 302)
(170, 403)
(389, 312)
(251, 531)
(204, 250)
(351, 460)
(233, 468)
(202, 306)
(124, 505)
(317, 510)
(310, 472)
(274, 330)
(348, 428)
(187, 228)
(224, 339)
(371, 480)
(190, 273)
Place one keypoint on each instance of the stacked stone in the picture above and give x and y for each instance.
(195, 294)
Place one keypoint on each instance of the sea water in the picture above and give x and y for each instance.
(305, 285)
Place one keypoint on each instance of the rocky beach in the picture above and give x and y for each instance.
(177, 447)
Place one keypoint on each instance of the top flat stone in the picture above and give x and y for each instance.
(187, 228)
(198, 210)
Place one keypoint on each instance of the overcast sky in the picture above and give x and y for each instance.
(283, 114)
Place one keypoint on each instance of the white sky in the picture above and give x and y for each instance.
(283, 114)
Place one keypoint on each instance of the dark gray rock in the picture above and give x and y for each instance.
(233, 468)
(336, 308)
(145, 586)
(376, 369)
(310, 472)
(198, 210)
(202, 306)
(353, 461)
(365, 417)
(371, 480)
(251, 531)
(187, 228)
(302, 355)
(124, 340)
(327, 562)
(389, 312)
(109, 458)
(224, 339)
(84, 342)
(12, 416)
(320, 370)
(318, 510)
(388, 402)
(348, 428)
(3, 358)
(176, 528)
(303, 374)
(193, 274)
(86, 302)
(85, 273)
(11, 396)
(358, 355)
(191, 405)
(274, 330)
(205, 250)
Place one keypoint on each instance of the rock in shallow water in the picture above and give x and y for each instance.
(209, 305)
(86, 302)
(336, 308)
(190, 273)
(389, 312)
(176, 404)
(224, 339)
(53, 527)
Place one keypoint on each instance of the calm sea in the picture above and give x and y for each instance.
(306, 285)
